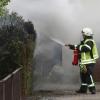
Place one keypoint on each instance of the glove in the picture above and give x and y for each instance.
(71, 46)
(83, 68)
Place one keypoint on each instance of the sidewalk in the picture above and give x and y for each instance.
(64, 95)
(73, 97)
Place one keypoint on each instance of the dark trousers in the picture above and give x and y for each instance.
(87, 79)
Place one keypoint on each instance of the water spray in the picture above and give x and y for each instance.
(59, 42)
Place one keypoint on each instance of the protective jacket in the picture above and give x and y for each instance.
(88, 52)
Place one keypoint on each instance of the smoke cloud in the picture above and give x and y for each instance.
(61, 18)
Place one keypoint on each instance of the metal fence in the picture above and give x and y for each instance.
(10, 87)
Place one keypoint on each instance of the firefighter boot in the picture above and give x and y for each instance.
(92, 90)
(83, 90)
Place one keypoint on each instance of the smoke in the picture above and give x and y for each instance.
(61, 19)
(50, 17)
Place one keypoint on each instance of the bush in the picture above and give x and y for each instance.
(14, 33)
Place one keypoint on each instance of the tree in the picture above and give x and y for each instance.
(3, 3)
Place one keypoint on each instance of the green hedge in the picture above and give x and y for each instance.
(14, 34)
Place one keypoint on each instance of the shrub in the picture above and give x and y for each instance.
(14, 34)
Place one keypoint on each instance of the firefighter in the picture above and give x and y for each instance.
(87, 56)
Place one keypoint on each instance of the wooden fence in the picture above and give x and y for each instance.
(10, 86)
